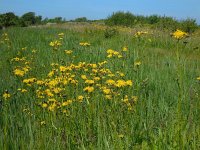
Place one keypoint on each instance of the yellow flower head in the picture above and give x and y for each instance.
(66, 103)
(80, 98)
(109, 97)
(110, 51)
(97, 78)
(125, 49)
(44, 105)
(29, 81)
(106, 91)
(84, 77)
(89, 81)
(121, 83)
(129, 82)
(68, 51)
(110, 82)
(61, 34)
(51, 73)
(42, 123)
(89, 89)
(178, 34)
(63, 68)
(137, 63)
(6, 95)
(55, 44)
(19, 72)
(84, 44)
(22, 90)
(139, 33)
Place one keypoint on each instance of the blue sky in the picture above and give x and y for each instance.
(99, 9)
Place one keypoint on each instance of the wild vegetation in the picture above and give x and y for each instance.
(99, 87)
(119, 18)
(157, 22)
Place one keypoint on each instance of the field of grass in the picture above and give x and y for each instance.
(70, 88)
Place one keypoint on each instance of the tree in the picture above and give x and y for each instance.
(153, 19)
(29, 18)
(189, 25)
(58, 19)
(38, 19)
(121, 18)
(81, 19)
(8, 19)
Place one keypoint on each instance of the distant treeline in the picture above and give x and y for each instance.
(30, 18)
(161, 22)
(116, 19)
(27, 19)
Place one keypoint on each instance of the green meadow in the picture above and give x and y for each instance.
(95, 87)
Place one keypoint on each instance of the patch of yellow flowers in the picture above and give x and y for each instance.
(84, 44)
(178, 34)
(64, 85)
(113, 53)
(81, 79)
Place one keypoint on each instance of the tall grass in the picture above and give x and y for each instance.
(99, 123)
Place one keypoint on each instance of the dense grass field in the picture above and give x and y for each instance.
(72, 88)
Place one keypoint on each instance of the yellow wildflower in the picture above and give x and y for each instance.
(120, 83)
(137, 63)
(129, 82)
(63, 68)
(61, 34)
(66, 103)
(96, 78)
(84, 77)
(42, 123)
(110, 82)
(52, 107)
(178, 34)
(52, 83)
(89, 81)
(84, 44)
(89, 89)
(120, 73)
(16, 59)
(6, 95)
(110, 51)
(55, 44)
(29, 81)
(108, 97)
(68, 51)
(125, 100)
(80, 98)
(134, 98)
(57, 90)
(110, 55)
(49, 93)
(106, 91)
(40, 82)
(125, 49)
(44, 105)
(19, 72)
(119, 56)
(139, 33)
(51, 73)
(22, 90)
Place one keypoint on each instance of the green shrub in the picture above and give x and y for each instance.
(110, 32)
(121, 18)
(188, 25)
(159, 22)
